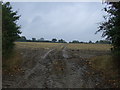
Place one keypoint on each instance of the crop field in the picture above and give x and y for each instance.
(88, 51)
(97, 47)
(20, 47)
(100, 57)
(35, 45)
(60, 59)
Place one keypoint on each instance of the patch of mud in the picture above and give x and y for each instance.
(56, 68)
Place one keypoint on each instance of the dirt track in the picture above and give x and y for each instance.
(55, 68)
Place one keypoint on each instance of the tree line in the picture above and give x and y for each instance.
(91, 42)
(54, 40)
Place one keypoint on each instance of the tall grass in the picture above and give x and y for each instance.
(11, 64)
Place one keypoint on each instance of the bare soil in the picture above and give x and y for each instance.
(57, 67)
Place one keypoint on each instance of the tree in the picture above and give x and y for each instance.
(41, 39)
(61, 41)
(103, 42)
(97, 42)
(22, 39)
(10, 30)
(111, 26)
(33, 39)
(54, 40)
(90, 42)
(75, 41)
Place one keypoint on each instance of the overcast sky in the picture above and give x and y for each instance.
(69, 21)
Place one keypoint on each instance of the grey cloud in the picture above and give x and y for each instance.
(60, 20)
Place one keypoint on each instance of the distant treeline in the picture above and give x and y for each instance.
(54, 40)
(97, 42)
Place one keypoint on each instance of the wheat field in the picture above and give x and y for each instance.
(97, 47)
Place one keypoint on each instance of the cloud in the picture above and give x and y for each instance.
(60, 20)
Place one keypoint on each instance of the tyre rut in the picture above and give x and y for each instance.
(57, 69)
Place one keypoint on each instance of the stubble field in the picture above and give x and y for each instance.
(58, 58)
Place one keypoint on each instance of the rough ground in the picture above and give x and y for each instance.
(57, 67)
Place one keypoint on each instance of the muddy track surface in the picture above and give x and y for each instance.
(57, 68)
